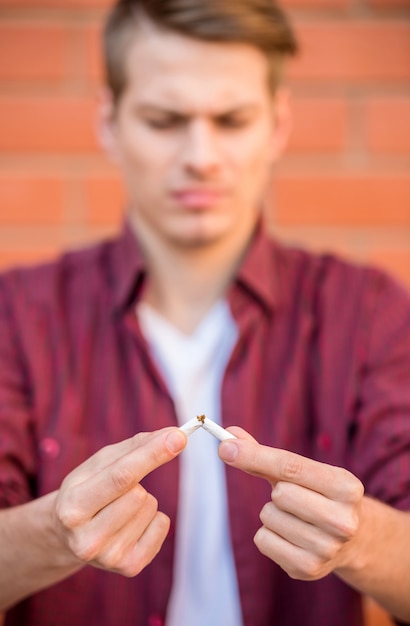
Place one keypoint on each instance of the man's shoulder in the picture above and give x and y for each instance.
(71, 271)
(335, 280)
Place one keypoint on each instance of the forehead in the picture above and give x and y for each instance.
(179, 72)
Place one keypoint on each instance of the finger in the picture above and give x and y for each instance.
(136, 506)
(107, 538)
(276, 465)
(108, 454)
(81, 502)
(340, 519)
(297, 562)
(300, 533)
(131, 558)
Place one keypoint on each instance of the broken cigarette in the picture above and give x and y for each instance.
(190, 426)
(212, 427)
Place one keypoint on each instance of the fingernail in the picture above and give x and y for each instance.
(228, 451)
(175, 441)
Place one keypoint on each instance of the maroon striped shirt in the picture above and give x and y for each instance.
(321, 367)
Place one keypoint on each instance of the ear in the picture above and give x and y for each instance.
(282, 122)
(106, 124)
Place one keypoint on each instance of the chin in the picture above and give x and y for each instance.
(206, 230)
(196, 241)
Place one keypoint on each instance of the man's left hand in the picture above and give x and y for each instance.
(310, 524)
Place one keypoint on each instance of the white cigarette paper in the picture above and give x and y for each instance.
(211, 427)
(216, 430)
(190, 426)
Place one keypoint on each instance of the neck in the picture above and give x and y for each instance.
(184, 283)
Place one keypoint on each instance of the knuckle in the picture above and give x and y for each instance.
(112, 559)
(292, 467)
(261, 540)
(347, 525)
(122, 478)
(84, 548)
(163, 522)
(308, 568)
(356, 490)
(139, 438)
(68, 514)
(330, 549)
(142, 499)
(266, 514)
(313, 568)
(139, 496)
(151, 503)
(141, 558)
(278, 493)
(130, 569)
(353, 488)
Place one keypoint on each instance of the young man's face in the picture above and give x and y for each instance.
(195, 133)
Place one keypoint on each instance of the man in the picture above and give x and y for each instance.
(194, 310)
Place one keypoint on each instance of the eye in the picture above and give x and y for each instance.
(232, 121)
(164, 122)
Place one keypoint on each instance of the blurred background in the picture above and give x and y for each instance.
(344, 184)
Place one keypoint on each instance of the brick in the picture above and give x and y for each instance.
(346, 200)
(93, 55)
(396, 262)
(25, 256)
(389, 4)
(104, 201)
(25, 199)
(321, 4)
(80, 4)
(387, 125)
(356, 51)
(320, 125)
(32, 52)
(330, 50)
(47, 124)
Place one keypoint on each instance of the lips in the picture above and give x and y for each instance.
(198, 198)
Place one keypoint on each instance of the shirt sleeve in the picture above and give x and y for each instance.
(17, 456)
(381, 454)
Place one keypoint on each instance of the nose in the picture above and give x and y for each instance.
(201, 152)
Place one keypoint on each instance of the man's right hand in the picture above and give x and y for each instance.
(103, 516)
(100, 516)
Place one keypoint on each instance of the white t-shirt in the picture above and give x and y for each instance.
(205, 589)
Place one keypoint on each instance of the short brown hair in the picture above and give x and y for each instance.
(261, 23)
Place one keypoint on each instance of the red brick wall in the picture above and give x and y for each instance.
(344, 184)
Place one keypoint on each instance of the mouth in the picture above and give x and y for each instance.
(198, 198)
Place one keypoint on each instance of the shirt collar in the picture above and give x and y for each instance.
(257, 273)
(128, 267)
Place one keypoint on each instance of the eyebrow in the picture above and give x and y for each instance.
(147, 107)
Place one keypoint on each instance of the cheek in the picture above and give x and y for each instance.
(143, 150)
(255, 150)
(144, 165)
(254, 163)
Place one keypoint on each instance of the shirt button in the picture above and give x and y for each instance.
(50, 447)
(324, 442)
(155, 620)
